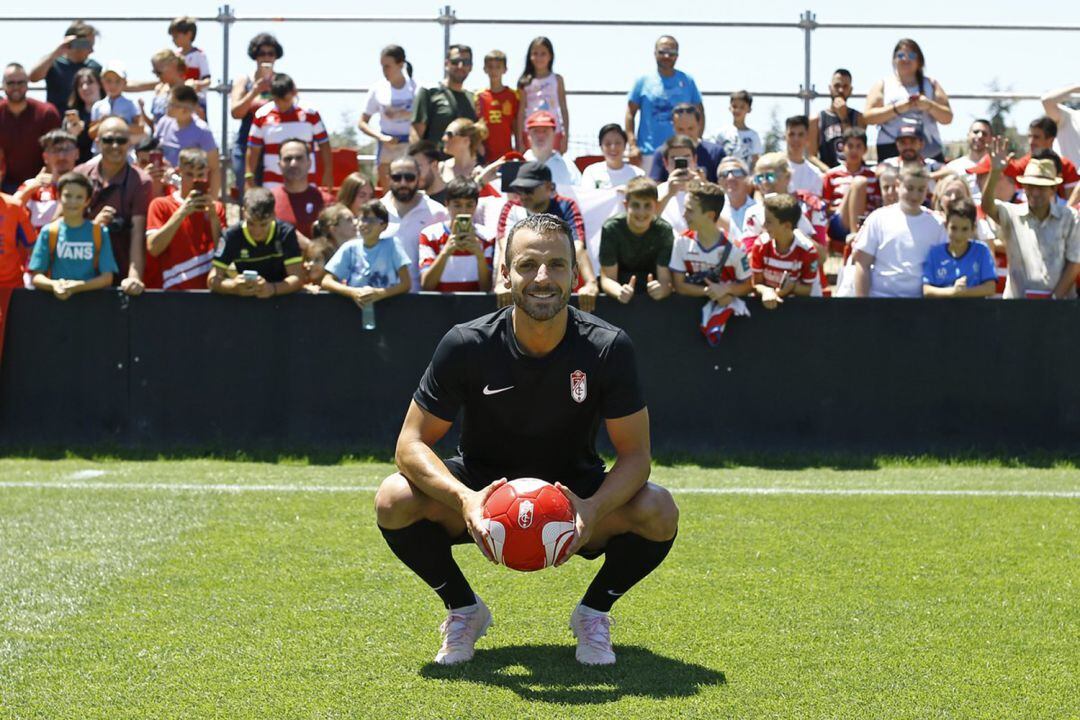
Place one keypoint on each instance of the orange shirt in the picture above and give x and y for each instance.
(16, 234)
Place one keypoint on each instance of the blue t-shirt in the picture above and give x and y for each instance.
(74, 258)
(359, 266)
(657, 96)
(941, 269)
(119, 105)
(174, 138)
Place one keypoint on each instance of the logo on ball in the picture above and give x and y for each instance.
(578, 388)
(529, 523)
(525, 514)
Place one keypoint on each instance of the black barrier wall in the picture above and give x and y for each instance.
(191, 372)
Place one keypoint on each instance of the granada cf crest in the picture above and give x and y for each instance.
(578, 389)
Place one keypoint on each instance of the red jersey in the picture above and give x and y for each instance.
(270, 127)
(302, 209)
(836, 182)
(185, 263)
(498, 111)
(769, 265)
(1069, 175)
(460, 271)
(17, 237)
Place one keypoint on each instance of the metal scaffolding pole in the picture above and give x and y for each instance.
(226, 18)
(808, 23)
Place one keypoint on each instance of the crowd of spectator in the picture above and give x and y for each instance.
(99, 190)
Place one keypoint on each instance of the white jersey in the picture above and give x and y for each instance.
(600, 177)
(407, 229)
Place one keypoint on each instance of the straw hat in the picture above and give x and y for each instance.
(1040, 172)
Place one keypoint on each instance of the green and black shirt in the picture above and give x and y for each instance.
(269, 256)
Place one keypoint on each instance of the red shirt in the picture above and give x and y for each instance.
(499, 111)
(185, 263)
(460, 273)
(19, 136)
(836, 182)
(301, 209)
(1069, 175)
(16, 238)
(799, 262)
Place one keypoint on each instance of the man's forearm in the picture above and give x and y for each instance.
(423, 468)
(157, 241)
(1067, 281)
(585, 267)
(627, 476)
(39, 71)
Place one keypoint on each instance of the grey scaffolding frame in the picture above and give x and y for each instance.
(447, 18)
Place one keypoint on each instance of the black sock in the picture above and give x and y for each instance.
(628, 558)
(425, 548)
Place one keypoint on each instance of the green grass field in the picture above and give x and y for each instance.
(211, 589)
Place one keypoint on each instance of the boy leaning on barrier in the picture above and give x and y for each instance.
(636, 243)
(783, 261)
(72, 254)
(369, 268)
(704, 263)
(962, 267)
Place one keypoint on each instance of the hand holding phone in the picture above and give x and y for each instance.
(463, 226)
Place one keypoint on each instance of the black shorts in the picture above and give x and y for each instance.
(583, 487)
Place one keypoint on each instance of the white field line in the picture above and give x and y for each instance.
(299, 488)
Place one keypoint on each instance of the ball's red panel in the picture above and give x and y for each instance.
(531, 524)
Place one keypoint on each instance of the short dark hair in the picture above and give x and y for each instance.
(542, 224)
(709, 195)
(259, 203)
(185, 24)
(843, 72)
(642, 187)
(54, 137)
(678, 141)
(784, 208)
(982, 121)
(797, 121)
(184, 94)
(744, 96)
(427, 148)
(855, 132)
(685, 106)
(408, 159)
(82, 30)
(376, 208)
(261, 40)
(283, 143)
(75, 178)
(612, 127)
(1046, 124)
(281, 85)
(460, 48)
(1050, 155)
(462, 188)
(964, 208)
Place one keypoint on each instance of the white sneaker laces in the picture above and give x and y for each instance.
(597, 631)
(455, 628)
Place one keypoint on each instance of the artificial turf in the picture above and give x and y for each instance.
(139, 594)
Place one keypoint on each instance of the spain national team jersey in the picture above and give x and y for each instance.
(271, 127)
(799, 263)
(723, 262)
(460, 273)
(524, 416)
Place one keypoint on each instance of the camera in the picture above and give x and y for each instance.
(117, 225)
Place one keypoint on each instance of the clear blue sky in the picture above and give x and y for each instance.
(346, 54)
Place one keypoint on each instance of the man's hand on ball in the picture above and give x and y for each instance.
(472, 510)
(584, 518)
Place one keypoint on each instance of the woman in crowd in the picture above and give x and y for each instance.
(542, 88)
(355, 190)
(464, 141)
(85, 91)
(248, 95)
(948, 190)
(908, 96)
(614, 171)
(169, 69)
(392, 100)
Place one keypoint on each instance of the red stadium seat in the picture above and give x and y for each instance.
(584, 161)
(345, 163)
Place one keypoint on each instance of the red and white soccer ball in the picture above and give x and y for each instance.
(530, 524)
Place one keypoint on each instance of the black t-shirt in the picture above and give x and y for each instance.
(269, 257)
(60, 80)
(526, 416)
(439, 106)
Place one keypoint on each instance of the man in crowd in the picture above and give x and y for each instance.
(278, 121)
(804, 174)
(894, 241)
(682, 167)
(120, 201)
(58, 68)
(455, 255)
(534, 187)
(183, 228)
(1041, 135)
(909, 144)
(435, 108)
(1042, 237)
(411, 210)
(1067, 119)
(264, 251)
(297, 201)
(23, 121)
(540, 127)
(428, 156)
(734, 178)
(826, 135)
(686, 119)
(40, 195)
(978, 139)
(16, 240)
(655, 95)
(636, 245)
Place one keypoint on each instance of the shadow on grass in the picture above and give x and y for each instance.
(549, 673)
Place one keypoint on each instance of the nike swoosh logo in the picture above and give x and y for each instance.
(489, 391)
(614, 594)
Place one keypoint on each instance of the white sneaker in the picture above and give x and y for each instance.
(461, 629)
(593, 632)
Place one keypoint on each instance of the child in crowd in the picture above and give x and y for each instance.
(542, 89)
(391, 98)
(850, 190)
(498, 106)
(182, 128)
(113, 82)
(456, 255)
(614, 172)
(783, 261)
(636, 243)
(703, 262)
(317, 252)
(737, 139)
(962, 267)
(73, 255)
(369, 268)
(182, 30)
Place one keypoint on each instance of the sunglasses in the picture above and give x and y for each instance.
(460, 61)
(684, 111)
(766, 177)
(734, 172)
(668, 53)
(114, 140)
(902, 55)
(453, 134)
(403, 177)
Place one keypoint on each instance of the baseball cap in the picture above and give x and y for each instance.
(530, 175)
(541, 118)
(116, 68)
(910, 130)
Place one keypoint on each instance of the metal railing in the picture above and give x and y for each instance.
(447, 17)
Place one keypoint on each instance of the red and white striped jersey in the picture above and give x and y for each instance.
(271, 127)
(836, 182)
(43, 205)
(812, 224)
(460, 271)
(799, 262)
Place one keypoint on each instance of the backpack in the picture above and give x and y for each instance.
(52, 233)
